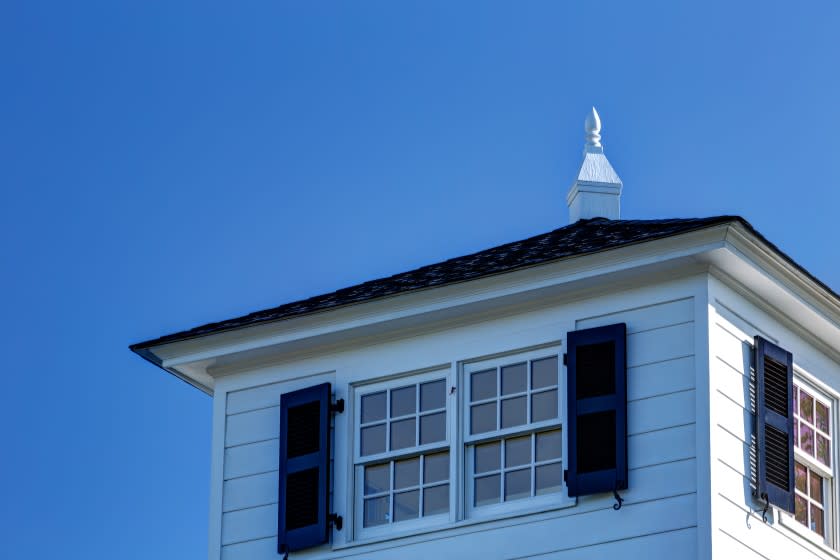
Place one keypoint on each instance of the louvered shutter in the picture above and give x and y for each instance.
(774, 396)
(597, 410)
(304, 468)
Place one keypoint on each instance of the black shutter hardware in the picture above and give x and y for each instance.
(597, 411)
(774, 424)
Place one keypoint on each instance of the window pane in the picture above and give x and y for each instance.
(514, 379)
(549, 478)
(436, 468)
(517, 451)
(433, 395)
(544, 373)
(806, 406)
(544, 406)
(796, 432)
(377, 479)
(487, 490)
(801, 510)
(373, 407)
(376, 511)
(801, 477)
(514, 412)
(373, 439)
(823, 450)
(406, 505)
(806, 439)
(822, 417)
(549, 445)
(483, 385)
(815, 487)
(403, 401)
(483, 418)
(817, 520)
(487, 457)
(795, 399)
(403, 434)
(436, 500)
(407, 473)
(432, 428)
(517, 484)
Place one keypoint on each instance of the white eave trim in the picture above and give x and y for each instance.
(713, 247)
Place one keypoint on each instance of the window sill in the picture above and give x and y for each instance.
(801, 532)
(462, 526)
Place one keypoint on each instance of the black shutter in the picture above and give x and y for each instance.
(774, 396)
(597, 409)
(304, 468)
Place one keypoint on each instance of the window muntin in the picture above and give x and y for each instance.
(402, 453)
(812, 422)
(512, 436)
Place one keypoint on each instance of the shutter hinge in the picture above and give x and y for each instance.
(336, 519)
(337, 407)
(565, 359)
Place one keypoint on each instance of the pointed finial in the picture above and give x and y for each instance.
(592, 126)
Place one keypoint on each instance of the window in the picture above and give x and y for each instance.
(513, 439)
(402, 453)
(434, 447)
(812, 455)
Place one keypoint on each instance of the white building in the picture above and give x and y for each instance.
(715, 383)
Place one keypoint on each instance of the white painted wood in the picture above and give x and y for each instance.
(658, 413)
(250, 491)
(252, 458)
(256, 425)
(662, 344)
(520, 538)
(596, 193)
(646, 317)
(660, 378)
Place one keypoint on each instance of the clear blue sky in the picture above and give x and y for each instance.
(169, 163)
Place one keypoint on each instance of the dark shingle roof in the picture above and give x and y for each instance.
(581, 238)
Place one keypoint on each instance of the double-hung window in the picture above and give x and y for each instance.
(812, 436)
(402, 453)
(512, 431)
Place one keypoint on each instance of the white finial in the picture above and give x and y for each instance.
(592, 126)
(596, 193)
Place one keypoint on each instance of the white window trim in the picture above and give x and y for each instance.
(533, 503)
(829, 543)
(359, 462)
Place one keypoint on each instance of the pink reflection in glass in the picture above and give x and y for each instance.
(806, 439)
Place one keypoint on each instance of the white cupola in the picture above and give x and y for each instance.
(596, 193)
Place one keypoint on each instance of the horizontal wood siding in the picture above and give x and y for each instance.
(739, 531)
(658, 518)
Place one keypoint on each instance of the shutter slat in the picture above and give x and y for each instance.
(597, 410)
(303, 489)
(774, 423)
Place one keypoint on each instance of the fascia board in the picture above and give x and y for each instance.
(600, 269)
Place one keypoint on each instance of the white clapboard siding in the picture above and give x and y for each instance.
(740, 531)
(659, 508)
(662, 344)
(521, 538)
(645, 318)
(645, 485)
(643, 450)
(658, 413)
(660, 378)
(252, 458)
(250, 491)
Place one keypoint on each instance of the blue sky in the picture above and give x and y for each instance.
(168, 163)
